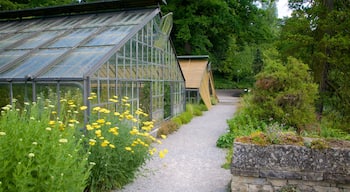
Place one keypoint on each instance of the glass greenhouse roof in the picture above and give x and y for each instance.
(65, 47)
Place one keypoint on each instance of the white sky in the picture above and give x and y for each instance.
(283, 10)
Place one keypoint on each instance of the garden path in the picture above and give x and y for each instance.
(193, 163)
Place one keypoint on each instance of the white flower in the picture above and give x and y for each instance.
(92, 163)
(2, 133)
(48, 128)
(63, 140)
(31, 155)
(34, 143)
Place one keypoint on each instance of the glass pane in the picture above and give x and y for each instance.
(73, 38)
(78, 63)
(9, 56)
(68, 23)
(41, 24)
(34, 63)
(38, 40)
(12, 39)
(99, 20)
(110, 36)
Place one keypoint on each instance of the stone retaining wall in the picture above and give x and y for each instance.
(271, 168)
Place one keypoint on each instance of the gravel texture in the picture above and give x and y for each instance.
(193, 163)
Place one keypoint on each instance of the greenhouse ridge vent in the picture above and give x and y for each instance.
(124, 51)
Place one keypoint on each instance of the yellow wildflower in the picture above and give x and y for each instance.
(96, 108)
(114, 100)
(116, 113)
(89, 127)
(163, 153)
(2, 133)
(90, 98)
(82, 108)
(108, 123)
(101, 121)
(98, 133)
(52, 122)
(163, 136)
(104, 143)
(134, 131)
(128, 148)
(92, 142)
(111, 146)
(113, 130)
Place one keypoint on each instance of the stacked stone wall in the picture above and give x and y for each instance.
(278, 167)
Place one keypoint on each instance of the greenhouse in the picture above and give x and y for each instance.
(121, 48)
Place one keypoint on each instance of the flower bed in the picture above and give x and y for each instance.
(273, 167)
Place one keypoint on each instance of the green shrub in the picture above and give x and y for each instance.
(40, 151)
(166, 128)
(177, 120)
(285, 94)
(186, 117)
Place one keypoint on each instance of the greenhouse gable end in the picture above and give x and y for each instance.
(123, 52)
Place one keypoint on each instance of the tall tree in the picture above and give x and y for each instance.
(318, 33)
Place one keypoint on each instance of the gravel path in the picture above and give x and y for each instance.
(193, 163)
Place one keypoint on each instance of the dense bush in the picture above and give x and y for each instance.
(285, 94)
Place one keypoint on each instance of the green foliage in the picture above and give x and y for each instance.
(39, 151)
(242, 124)
(285, 94)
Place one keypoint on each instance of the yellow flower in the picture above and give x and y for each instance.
(90, 98)
(104, 143)
(101, 121)
(115, 97)
(48, 128)
(134, 131)
(152, 151)
(54, 112)
(52, 122)
(163, 136)
(2, 133)
(108, 123)
(89, 127)
(126, 97)
(116, 113)
(111, 146)
(96, 108)
(127, 104)
(114, 100)
(82, 108)
(92, 142)
(113, 130)
(128, 148)
(163, 153)
(98, 133)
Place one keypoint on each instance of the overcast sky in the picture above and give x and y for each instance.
(283, 10)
